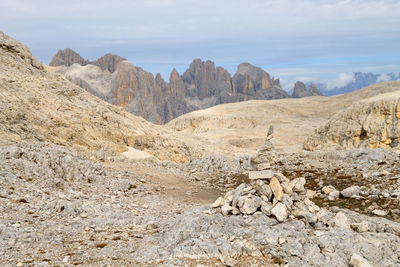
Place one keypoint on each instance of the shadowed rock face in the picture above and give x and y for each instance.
(254, 83)
(300, 90)
(67, 57)
(201, 86)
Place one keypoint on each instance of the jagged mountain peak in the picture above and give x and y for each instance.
(314, 91)
(67, 57)
(303, 90)
(108, 62)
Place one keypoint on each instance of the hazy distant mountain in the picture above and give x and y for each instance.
(202, 85)
(300, 90)
(355, 81)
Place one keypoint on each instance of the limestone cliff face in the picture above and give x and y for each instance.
(67, 57)
(125, 84)
(203, 80)
(249, 79)
(254, 83)
(374, 123)
(139, 92)
(176, 85)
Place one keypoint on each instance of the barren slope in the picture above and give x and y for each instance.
(245, 124)
(38, 105)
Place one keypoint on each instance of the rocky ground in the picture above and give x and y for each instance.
(60, 207)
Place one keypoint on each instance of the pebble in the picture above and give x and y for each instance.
(378, 212)
(279, 212)
(341, 221)
(358, 261)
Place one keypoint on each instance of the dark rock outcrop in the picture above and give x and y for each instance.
(300, 90)
(203, 80)
(67, 57)
(252, 82)
(314, 90)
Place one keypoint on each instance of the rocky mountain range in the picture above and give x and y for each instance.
(202, 85)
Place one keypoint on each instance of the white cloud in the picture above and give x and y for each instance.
(343, 80)
(383, 78)
(287, 85)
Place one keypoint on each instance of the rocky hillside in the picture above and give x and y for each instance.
(201, 86)
(373, 122)
(38, 105)
(244, 125)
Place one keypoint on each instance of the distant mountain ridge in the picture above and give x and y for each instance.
(358, 81)
(201, 86)
(68, 57)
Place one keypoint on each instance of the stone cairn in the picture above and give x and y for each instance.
(270, 193)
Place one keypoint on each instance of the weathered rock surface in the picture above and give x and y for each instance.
(242, 126)
(198, 235)
(373, 122)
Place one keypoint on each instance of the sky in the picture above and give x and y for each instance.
(309, 40)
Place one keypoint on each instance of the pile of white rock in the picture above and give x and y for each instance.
(270, 193)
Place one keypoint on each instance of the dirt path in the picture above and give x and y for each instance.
(171, 182)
